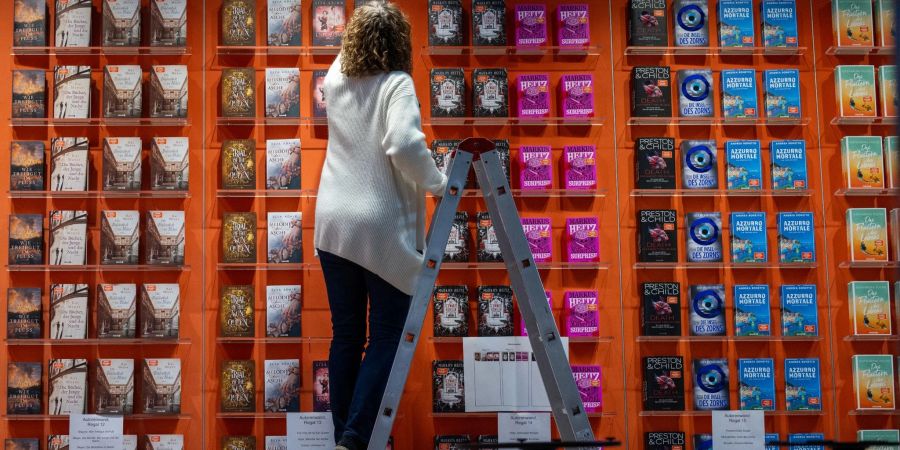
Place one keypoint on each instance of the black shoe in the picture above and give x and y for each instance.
(350, 443)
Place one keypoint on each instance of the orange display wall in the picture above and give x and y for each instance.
(616, 201)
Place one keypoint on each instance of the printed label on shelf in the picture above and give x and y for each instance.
(310, 431)
(523, 427)
(738, 430)
(95, 432)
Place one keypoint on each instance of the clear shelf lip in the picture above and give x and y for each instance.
(292, 50)
(870, 264)
(723, 265)
(721, 193)
(259, 193)
(99, 194)
(572, 340)
(266, 266)
(91, 51)
(540, 266)
(728, 338)
(544, 193)
(101, 122)
(872, 338)
(867, 192)
(271, 121)
(513, 121)
(874, 412)
(95, 342)
(717, 121)
(459, 50)
(136, 417)
(865, 121)
(99, 268)
(272, 340)
(714, 51)
(493, 415)
(709, 413)
(835, 50)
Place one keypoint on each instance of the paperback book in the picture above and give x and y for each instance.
(489, 22)
(284, 21)
(113, 386)
(657, 235)
(236, 311)
(29, 94)
(282, 385)
(743, 165)
(451, 442)
(707, 306)
(799, 310)
(664, 440)
(533, 96)
(691, 23)
(321, 387)
(582, 313)
(703, 237)
(654, 163)
(163, 442)
(445, 22)
(531, 25)
(169, 164)
(239, 237)
(700, 167)
(160, 310)
(22, 444)
(60, 442)
(651, 91)
(582, 239)
(895, 236)
(120, 237)
(69, 166)
(588, 380)
(736, 23)
(24, 388)
(282, 164)
(284, 304)
(867, 234)
(661, 309)
(663, 387)
(852, 22)
(703, 442)
(282, 92)
(122, 164)
(122, 91)
(870, 307)
(457, 249)
(802, 384)
(887, 85)
(26, 166)
(285, 236)
(239, 443)
(796, 237)
(862, 160)
(495, 311)
(239, 164)
(26, 239)
(68, 238)
(580, 166)
(448, 93)
(238, 23)
(757, 383)
(442, 151)
(72, 89)
(121, 23)
(782, 93)
(165, 240)
(779, 23)
(116, 311)
(535, 167)
(448, 387)
(318, 93)
(739, 99)
(789, 164)
(885, 436)
(451, 311)
(576, 94)
(68, 311)
(238, 386)
(490, 93)
(24, 313)
(770, 439)
(855, 91)
(238, 92)
(168, 23)
(161, 388)
(885, 20)
(276, 443)
(168, 91)
(648, 25)
(328, 22)
(749, 242)
(573, 29)
(873, 381)
(752, 311)
(30, 23)
(488, 245)
(695, 88)
(711, 385)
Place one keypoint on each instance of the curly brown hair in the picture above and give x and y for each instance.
(377, 40)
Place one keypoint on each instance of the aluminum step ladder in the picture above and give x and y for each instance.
(568, 411)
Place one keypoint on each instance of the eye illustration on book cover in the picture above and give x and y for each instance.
(238, 386)
(704, 237)
(239, 22)
(695, 89)
(699, 164)
(711, 385)
(707, 306)
(691, 23)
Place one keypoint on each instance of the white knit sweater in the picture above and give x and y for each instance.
(371, 204)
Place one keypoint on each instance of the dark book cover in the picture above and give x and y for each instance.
(30, 23)
(657, 235)
(318, 93)
(236, 311)
(238, 386)
(26, 165)
(238, 92)
(24, 388)
(651, 92)
(239, 23)
(495, 311)
(451, 311)
(490, 93)
(448, 387)
(29, 94)
(445, 22)
(488, 245)
(489, 22)
(22, 444)
(451, 441)
(26, 239)
(661, 304)
(238, 443)
(24, 313)
(663, 383)
(648, 25)
(239, 164)
(502, 148)
(448, 93)
(321, 387)
(328, 22)
(654, 163)
(457, 249)
(442, 151)
(239, 237)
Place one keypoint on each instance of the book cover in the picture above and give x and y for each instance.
(488, 245)
(282, 385)
(445, 22)
(448, 93)
(285, 237)
(588, 380)
(855, 91)
(448, 387)
(707, 307)
(695, 93)
(873, 381)
(657, 235)
(129, 442)
(489, 22)
(802, 385)
(318, 93)
(59, 442)
(441, 152)
(580, 166)
(539, 234)
(160, 314)
(691, 23)
(573, 29)
(69, 164)
(282, 92)
(24, 313)
(789, 164)
(239, 164)
(736, 23)
(238, 23)
(752, 310)
(121, 23)
(703, 442)
(487, 439)
(654, 163)
(238, 443)
(799, 310)
(582, 239)
(739, 99)
(328, 22)
(867, 234)
(862, 160)
(770, 438)
(283, 310)
(122, 91)
(870, 307)
(576, 95)
(663, 387)
(26, 165)
(72, 90)
(22, 444)
(533, 96)
(321, 387)
(30, 23)
(162, 442)
(582, 313)
(68, 238)
(236, 311)
(122, 164)
(664, 440)
(711, 385)
(886, 436)
(853, 23)
(169, 164)
(24, 388)
(495, 311)
(757, 384)
(535, 167)
(743, 164)
(490, 93)
(651, 91)
(168, 23)
(238, 386)
(887, 85)
(779, 23)
(276, 443)
(451, 311)
(748, 237)
(239, 237)
(238, 92)
(168, 91)
(120, 237)
(29, 94)
(647, 23)
(782, 93)
(885, 19)
(457, 249)
(700, 167)
(531, 25)
(895, 235)
(502, 148)
(165, 238)
(703, 236)
(661, 309)
(796, 237)
(26, 239)
(450, 442)
(112, 389)
(116, 310)
(284, 21)
(161, 388)
(282, 164)
(68, 311)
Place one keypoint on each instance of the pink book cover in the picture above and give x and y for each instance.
(522, 330)
(534, 96)
(579, 166)
(582, 313)
(576, 94)
(531, 25)
(535, 168)
(540, 238)
(582, 239)
(588, 380)
(573, 26)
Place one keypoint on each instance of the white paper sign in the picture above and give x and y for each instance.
(739, 430)
(309, 431)
(523, 427)
(95, 432)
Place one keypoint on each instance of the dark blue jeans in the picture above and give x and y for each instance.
(357, 383)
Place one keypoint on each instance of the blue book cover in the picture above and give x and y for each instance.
(802, 438)
(743, 165)
(707, 305)
(703, 442)
(736, 23)
(779, 22)
(799, 310)
(757, 383)
(749, 243)
(752, 315)
(796, 237)
(739, 98)
(782, 93)
(789, 164)
(772, 437)
(802, 387)
(711, 387)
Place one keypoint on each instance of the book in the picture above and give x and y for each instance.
(282, 385)
(328, 22)
(29, 23)
(862, 161)
(752, 311)
(789, 164)
(573, 28)
(703, 442)
(582, 315)
(321, 387)
(238, 386)
(490, 93)
(576, 95)
(168, 91)
(495, 311)
(451, 311)
(796, 237)
(533, 96)
(887, 88)
(457, 249)
(449, 442)
(870, 307)
(160, 310)
(487, 439)
(799, 310)
(238, 443)
(802, 384)
(782, 93)
(770, 438)
(855, 91)
(873, 381)
(282, 92)
(779, 23)
(24, 313)
(72, 90)
(161, 388)
(895, 234)
(502, 148)
(743, 164)
(703, 236)
(122, 164)
(651, 90)
(236, 311)
(657, 235)
(654, 163)
(664, 440)
(695, 88)
(489, 22)
(239, 164)
(448, 387)
(445, 22)
(121, 23)
(318, 93)
(531, 25)
(700, 167)
(647, 23)
(285, 237)
(22, 444)
(29, 94)
(58, 442)
(68, 238)
(736, 23)
(661, 309)
(707, 307)
(238, 23)
(282, 164)
(122, 91)
(663, 386)
(283, 310)
(238, 92)
(239, 237)
(163, 442)
(129, 442)
(691, 23)
(885, 436)
(580, 166)
(488, 245)
(284, 22)
(120, 237)
(168, 23)
(169, 164)
(757, 384)
(26, 239)
(739, 99)
(69, 164)
(24, 388)
(448, 93)
(113, 386)
(276, 443)
(711, 384)
(116, 310)
(441, 152)
(588, 380)
(867, 234)
(26, 166)
(885, 18)
(536, 168)
(749, 242)
(68, 311)
(853, 23)
(582, 239)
